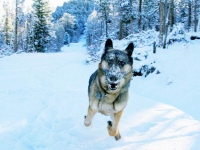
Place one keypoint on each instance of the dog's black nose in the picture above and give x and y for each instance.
(113, 78)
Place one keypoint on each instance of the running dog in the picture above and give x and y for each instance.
(109, 84)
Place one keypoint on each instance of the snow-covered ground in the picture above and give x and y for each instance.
(43, 100)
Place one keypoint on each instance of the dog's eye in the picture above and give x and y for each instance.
(110, 61)
(122, 63)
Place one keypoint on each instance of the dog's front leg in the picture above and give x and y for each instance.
(113, 126)
(89, 117)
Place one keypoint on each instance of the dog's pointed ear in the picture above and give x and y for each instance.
(108, 45)
(130, 49)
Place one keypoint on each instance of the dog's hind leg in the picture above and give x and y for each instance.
(113, 126)
(89, 117)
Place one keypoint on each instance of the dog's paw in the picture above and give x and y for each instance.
(111, 131)
(118, 136)
(110, 123)
(87, 122)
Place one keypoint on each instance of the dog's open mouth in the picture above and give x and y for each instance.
(113, 86)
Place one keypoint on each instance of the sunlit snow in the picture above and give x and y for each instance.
(43, 100)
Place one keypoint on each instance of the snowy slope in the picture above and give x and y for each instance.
(43, 100)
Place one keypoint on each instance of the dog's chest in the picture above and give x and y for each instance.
(106, 104)
(106, 108)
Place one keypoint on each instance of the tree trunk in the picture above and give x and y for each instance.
(139, 17)
(27, 38)
(154, 47)
(195, 15)
(16, 28)
(189, 14)
(131, 19)
(131, 26)
(106, 29)
(101, 30)
(161, 9)
(6, 26)
(89, 40)
(120, 30)
(106, 19)
(198, 24)
(171, 15)
(126, 31)
(166, 23)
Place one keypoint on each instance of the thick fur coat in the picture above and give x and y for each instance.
(108, 86)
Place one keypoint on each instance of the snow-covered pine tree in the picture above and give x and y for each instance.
(126, 11)
(104, 13)
(60, 33)
(41, 30)
(1, 36)
(93, 30)
(17, 11)
(68, 22)
(51, 46)
(19, 32)
(29, 33)
(196, 14)
(7, 28)
(150, 15)
(57, 37)
(93, 33)
(66, 39)
(80, 9)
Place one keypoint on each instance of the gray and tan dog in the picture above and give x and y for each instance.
(108, 86)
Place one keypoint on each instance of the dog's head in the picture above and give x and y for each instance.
(115, 67)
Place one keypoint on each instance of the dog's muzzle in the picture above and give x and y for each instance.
(113, 81)
(113, 77)
(113, 86)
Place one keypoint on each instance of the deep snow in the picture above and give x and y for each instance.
(43, 100)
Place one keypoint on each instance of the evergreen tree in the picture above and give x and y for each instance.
(104, 13)
(29, 33)
(93, 29)
(7, 29)
(150, 15)
(68, 21)
(189, 22)
(80, 10)
(41, 30)
(66, 39)
(19, 22)
(60, 33)
(1, 36)
(57, 37)
(128, 13)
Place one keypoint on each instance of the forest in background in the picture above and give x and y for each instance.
(42, 30)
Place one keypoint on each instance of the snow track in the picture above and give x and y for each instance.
(43, 100)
